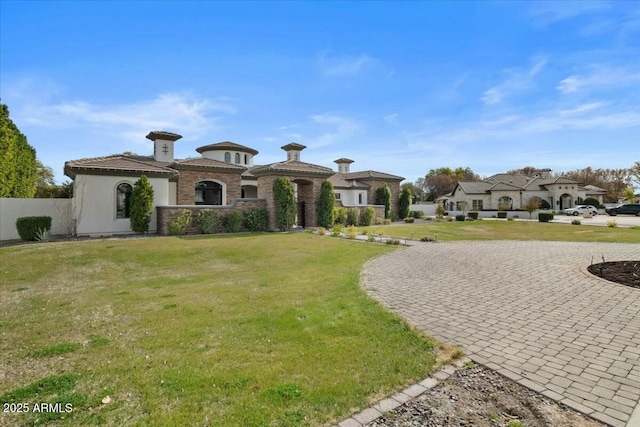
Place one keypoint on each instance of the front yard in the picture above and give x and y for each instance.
(228, 330)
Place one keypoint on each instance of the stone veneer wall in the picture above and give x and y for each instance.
(189, 178)
(166, 214)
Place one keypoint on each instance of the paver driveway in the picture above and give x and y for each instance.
(529, 311)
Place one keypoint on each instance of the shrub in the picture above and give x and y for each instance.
(141, 205)
(473, 215)
(326, 203)
(545, 216)
(404, 202)
(29, 226)
(427, 239)
(509, 219)
(339, 215)
(366, 218)
(409, 219)
(180, 223)
(256, 219)
(353, 215)
(321, 231)
(371, 238)
(387, 221)
(379, 220)
(383, 197)
(336, 230)
(351, 232)
(575, 222)
(450, 219)
(393, 242)
(416, 214)
(460, 217)
(208, 221)
(612, 224)
(428, 218)
(284, 198)
(234, 221)
(440, 212)
(592, 202)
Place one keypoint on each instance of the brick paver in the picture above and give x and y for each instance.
(528, 310)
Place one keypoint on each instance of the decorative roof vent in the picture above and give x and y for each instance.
(293, 150)
(343, 164)
(163, 144)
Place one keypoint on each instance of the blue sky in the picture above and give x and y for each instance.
(400, 87)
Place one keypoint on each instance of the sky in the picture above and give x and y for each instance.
(399, 87)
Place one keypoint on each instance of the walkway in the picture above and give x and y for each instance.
(529, 311)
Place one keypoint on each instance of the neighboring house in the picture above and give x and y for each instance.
(223, 174)
(510, 191)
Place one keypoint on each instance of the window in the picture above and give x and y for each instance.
(237, 156)
(123, 200)
(227, 157)
(360, 198)
(476, 205)
(337, 196)
(208, 193)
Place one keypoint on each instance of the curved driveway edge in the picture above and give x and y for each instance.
(528, 311)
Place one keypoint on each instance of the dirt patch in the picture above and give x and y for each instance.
(476, 396)
(624, 272)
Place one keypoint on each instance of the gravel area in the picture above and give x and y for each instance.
(475, 396)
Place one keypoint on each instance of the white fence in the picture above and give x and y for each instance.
(11, 209)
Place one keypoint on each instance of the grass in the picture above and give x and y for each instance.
(251, 330)
(504, 230)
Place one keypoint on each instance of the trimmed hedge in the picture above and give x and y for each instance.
(256, 219)
(29, 226)
(460, 217)
(473, 215)
(545, 216)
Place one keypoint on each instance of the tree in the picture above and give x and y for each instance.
(441, 181)
(46, 185)
(285, 203)
(404, 202)
(383, 197)
(18, 166)
(141, 205)
(326, 203)
(614, 181)
(634, 172)
(532, 205)
(629, 195)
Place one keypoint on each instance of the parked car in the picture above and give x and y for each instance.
(628, 208)
(581, 210)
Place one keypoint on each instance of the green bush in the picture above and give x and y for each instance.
(404, 202)
(141, 205)
(336, 230)
(284, 197)
(256, 219)
(575, 222)
(326, 204)
(416, 214)
(351, 232)
(545, 216)
(473, 215)
(460, 217)
(321, 231)
(29, 226)
(234, 221)
(353, 215)
(383, 197)
(180, 224)
(409, 219)
(449, 219)
(208, 221)
(339, 215)
(367, 216)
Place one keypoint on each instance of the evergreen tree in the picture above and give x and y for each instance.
(141, 205)
(326, 203)
(383, 197)
(404, 203)
(284, 197)
(18, 167)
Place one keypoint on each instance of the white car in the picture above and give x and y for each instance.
(581, 210)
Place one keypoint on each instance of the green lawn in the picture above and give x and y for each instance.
(507, 230)
(245, 330)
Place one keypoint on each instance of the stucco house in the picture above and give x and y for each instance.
(223, 176)
(512, 191)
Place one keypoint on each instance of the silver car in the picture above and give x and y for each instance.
(581, 210)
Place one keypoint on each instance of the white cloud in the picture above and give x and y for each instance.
(340, 129)
(517, 80)
(544, 13)
(391, 118)
(344, 65)
(599, 76)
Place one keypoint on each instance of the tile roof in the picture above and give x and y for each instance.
(203, 162)
(118, 163)
(503, 186)
(474, 187)
(372, 174)
(226, 145)
(163, 135)
(294, 166)
(340, 180)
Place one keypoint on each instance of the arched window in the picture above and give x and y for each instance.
(237, 158)
(505, 203)
(123, 200)
(208, 193)
(227, 157)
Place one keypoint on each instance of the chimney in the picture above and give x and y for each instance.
(293, 151)
(343, 165)
(163, 144)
